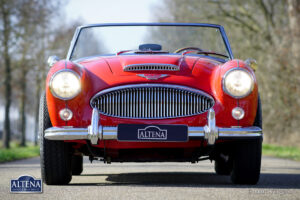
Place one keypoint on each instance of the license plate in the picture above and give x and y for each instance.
(152, 133)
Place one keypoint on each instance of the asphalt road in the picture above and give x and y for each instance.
(280, 179)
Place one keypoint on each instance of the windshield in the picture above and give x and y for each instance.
(110, 40)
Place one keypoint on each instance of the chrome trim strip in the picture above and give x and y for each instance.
(145, 92)
(242, 131)
(240, 135)
(55, 133)
(150, 85)
(110, 133)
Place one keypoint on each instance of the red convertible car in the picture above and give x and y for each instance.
(157, 92)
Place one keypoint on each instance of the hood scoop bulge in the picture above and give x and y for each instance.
(151, 67)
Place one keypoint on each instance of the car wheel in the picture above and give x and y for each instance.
(55, 155)
(223, 167)
(77, 165)
(247, 156)
(246, 162)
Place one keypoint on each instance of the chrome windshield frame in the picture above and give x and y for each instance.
(80, 28)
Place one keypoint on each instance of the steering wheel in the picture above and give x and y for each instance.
(187, 48)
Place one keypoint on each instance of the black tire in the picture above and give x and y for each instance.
(223, 167)
(55, 155)
(246, 162)
(247, 156)
(77, 165)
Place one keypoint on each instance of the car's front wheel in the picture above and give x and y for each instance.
(77, 165)
(55, 155)
(246, 162)
(222, 166)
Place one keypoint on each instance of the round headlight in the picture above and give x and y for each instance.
(65, 84)
(238, 83)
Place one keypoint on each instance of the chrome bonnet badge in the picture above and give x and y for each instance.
(153, 76)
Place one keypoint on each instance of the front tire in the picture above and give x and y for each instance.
(55, 155)
(77, 165)
(223, 167)
(247, 156)
(247, 162)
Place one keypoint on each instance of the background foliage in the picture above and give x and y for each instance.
(30, 31)
(268, 31)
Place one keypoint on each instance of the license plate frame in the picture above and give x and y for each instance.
(152, 133)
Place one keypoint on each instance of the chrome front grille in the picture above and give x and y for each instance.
(151, 101)
(151, 67)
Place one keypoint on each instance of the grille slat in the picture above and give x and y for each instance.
(152, 101)
(144, 108)
(151, 67)
(160, 102)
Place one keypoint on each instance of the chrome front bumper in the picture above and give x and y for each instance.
(95, 132)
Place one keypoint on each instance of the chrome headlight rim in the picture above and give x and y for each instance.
(235, 69)
(51, 81)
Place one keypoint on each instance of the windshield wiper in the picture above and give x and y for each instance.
(141, 52)
(206, 53)
(212, 53)
(150, 52)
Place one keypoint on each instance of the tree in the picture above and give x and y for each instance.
(257, 29)
(6, 10)
(21, 24)
(32, 14)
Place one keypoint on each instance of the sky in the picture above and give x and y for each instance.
(111, 11)
(114, 11)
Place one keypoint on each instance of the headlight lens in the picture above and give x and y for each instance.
(238, 83)
(65, 84)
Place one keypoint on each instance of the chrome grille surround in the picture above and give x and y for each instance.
(142, 101)
(151, 67)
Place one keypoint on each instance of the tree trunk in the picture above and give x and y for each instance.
(37, 98)
(7, 83)
(7, 74)
(22, 107)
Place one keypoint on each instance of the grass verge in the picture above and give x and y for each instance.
(281, 151)
(16, 152)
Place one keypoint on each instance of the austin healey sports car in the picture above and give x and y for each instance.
(154, 92)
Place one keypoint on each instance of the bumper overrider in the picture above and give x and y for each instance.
(95, 131)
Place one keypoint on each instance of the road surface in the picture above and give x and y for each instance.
(280, 179)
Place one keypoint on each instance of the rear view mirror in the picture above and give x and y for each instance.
(252, 63)
(52, 60)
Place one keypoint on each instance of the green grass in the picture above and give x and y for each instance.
(16, 152)
(281, 151)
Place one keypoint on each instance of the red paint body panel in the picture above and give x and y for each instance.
(196, 72)
(114, 144)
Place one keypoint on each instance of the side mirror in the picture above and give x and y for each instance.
(252, 63)
(52, 60)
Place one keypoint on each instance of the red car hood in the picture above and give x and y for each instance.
(192, 70)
